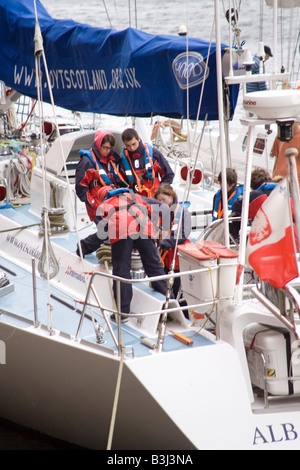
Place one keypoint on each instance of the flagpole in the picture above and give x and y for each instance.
(291, 155)
(245, 211)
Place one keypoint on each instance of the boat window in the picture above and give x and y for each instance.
(259, 145)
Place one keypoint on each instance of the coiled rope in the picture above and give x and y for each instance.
(57, 223)
(48, 265)
(104, 254)
(17, 176)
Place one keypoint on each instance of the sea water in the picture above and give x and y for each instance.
(165, 17)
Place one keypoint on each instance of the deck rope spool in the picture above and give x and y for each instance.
(104, 254)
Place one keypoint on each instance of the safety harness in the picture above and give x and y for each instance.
(104, 178)
(133, 175)
(218, 208)
(165, 253)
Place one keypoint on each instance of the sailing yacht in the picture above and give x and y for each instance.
(162, 380)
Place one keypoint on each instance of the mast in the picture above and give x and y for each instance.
(246, 195)
(221, 122)
(291, 154)
(275, 33)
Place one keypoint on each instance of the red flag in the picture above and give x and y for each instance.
(270, 247)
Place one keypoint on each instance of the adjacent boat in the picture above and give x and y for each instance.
(203, 144)
(160, 381)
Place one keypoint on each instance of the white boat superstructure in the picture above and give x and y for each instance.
(191, 142)
(204, 147)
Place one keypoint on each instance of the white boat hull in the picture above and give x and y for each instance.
(191, 400)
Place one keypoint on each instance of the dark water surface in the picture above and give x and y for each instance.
(15, 437)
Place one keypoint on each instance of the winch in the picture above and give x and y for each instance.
(137, 270)
(5, 285)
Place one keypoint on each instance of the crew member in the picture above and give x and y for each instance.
(180, 225)
(126, 219)
(97, 167)
(233, 192)
(145, 167)
(259, 86)
(261, 185)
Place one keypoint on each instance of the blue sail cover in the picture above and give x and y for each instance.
(107, 71)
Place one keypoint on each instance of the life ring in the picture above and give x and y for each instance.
(2, 192)
(174, 125)
(197, 174)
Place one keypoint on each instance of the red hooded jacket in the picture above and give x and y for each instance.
(128, 215)
(93, 171)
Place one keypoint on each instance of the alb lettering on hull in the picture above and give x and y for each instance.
(271, 434)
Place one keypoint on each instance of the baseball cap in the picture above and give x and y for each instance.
(268, 51)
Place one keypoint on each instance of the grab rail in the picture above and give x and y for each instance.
(287, 321)
(117, 311)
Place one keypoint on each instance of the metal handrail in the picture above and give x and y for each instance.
(289, 324)
(118, 312)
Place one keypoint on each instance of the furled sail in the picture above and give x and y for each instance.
(107, 71)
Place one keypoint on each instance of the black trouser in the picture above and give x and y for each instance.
(121, 261)
(92, 242)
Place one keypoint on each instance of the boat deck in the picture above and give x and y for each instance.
(17, 306)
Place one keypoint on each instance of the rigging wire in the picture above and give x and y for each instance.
(295, 40)
(45, 259)
(49, 257)
(170, 281)
(234, 22)
(110, 23)
(135, 13)
(289, 40)
(187, 75)
(116, 11)
(190, 177)
(191, 174)
(296, 73)
(261, 21)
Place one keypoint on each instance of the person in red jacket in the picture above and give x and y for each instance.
(127, 220)
(98, 166)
